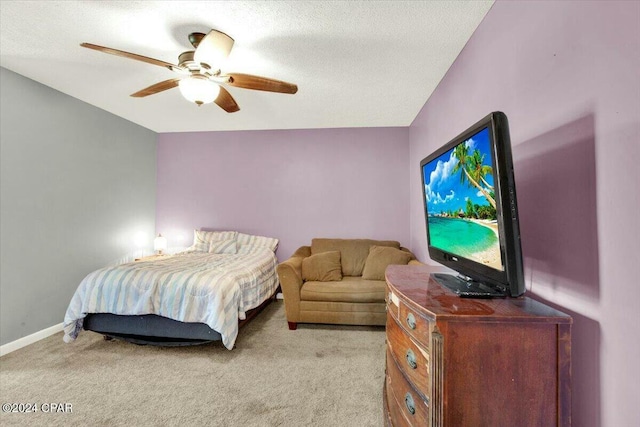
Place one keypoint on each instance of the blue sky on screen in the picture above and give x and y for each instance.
(443, 189)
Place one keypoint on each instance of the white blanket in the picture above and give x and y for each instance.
(190, 287)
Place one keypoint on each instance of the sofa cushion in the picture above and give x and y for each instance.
(354, 252)
(349, 289)
(322, 267)
(379, 258)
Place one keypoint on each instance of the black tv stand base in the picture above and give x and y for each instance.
(466, 287)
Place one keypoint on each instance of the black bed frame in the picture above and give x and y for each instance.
(151, 329)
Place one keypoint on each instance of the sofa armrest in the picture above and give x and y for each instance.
(290, 276)
(403, 249)
(413, 260)
(302, 251)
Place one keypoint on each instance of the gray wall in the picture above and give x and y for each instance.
(77, 184)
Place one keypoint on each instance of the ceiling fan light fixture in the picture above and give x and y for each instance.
(199, 90)
(213, 50)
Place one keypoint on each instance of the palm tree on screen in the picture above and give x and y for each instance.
(479, 170)
(461, 153)
(464, 165)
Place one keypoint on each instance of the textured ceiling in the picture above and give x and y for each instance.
(356, 63)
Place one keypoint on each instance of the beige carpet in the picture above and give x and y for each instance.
(318, 375)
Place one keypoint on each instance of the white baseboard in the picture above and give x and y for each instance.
(279, 296)
(29, 339)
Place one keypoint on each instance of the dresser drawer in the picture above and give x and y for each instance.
(406, 400)
(412, 358)
(395, 410)
(415, 324)
(393, 303)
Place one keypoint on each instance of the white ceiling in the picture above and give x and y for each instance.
(356, 63)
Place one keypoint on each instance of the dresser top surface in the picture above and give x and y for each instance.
(414, 284)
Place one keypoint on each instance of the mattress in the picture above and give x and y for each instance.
(195, 287)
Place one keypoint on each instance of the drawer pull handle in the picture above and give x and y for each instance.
(411, 359)
(411, 320)
(408, 402)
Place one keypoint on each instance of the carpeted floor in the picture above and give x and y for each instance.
(319, 375)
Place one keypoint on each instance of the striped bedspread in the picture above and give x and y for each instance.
(191, 287)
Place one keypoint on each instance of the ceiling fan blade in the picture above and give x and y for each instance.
(158, 87)
(226, 101)
(130, 55)
(247, 81)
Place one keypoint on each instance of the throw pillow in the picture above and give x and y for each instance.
(379, 258)
(322, 267)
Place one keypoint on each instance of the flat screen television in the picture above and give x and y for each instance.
(471, 212)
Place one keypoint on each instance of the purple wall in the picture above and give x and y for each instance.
(566, 75)
(289, 184)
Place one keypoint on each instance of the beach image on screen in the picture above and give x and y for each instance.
(460, 202)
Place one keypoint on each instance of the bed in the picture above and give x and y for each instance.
(197, 296)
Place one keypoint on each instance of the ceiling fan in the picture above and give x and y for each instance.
(200, 79)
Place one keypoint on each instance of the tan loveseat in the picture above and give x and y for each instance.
(324, 283)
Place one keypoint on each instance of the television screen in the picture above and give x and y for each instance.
(471, 211)
(461, 205)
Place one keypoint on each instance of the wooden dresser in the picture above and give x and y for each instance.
(459, 362)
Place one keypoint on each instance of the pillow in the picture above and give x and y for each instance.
(250, 240)
(198, 247)
(202, 239)
(200, 236)
(322, 267)
(222, 246)
(353, 252)
(379, 258)
(252, 249)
